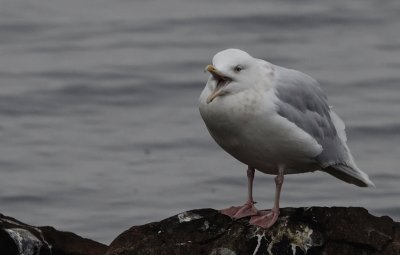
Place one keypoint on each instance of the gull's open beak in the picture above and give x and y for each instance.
(221, 79)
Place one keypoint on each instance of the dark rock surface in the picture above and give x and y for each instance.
(314, 230)
(17, 238)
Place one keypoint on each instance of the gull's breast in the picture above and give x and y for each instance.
(247, 126)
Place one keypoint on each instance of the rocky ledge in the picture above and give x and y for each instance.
(314, 230)
(17, 238)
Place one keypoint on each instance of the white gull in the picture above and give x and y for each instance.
(274, 120)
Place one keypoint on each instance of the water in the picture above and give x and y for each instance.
(99, 126)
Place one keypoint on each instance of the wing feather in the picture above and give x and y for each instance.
(302, 101)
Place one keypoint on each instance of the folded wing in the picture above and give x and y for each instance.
(302, 101)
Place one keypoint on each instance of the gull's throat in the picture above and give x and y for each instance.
(221, 83)
(219, 88)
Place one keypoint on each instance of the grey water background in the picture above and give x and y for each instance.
(99, 127)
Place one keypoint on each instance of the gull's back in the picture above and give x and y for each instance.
(302, 101)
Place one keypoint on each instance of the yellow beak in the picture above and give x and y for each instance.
(222, 81)
(214, 71)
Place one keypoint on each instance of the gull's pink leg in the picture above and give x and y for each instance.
(248, 208)
(266, 219)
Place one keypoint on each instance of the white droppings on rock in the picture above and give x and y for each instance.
(42, 237)
(11, 221)
(188, 216)
(26, 242)
(293, 248)
(184, 243)
(222, 251)
(259, 239)
(205, 226)
(301, 237)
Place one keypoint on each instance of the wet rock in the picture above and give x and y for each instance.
(17, 238)
(314, 230)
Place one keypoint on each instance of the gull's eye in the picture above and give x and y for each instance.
(238, 68)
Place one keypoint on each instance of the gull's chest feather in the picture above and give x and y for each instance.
(248, 127)
(230, 116)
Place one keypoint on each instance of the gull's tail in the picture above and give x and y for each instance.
(348, 170)
(350, 174)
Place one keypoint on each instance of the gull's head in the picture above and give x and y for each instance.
(232, 71)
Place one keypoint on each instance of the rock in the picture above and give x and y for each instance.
(17, 238)
(314, 230)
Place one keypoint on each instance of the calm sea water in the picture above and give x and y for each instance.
(99, 127)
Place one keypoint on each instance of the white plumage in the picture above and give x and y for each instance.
(274, 120)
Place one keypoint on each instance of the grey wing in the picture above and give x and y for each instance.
(303, 102)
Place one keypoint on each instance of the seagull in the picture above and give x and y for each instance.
(274, 120)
